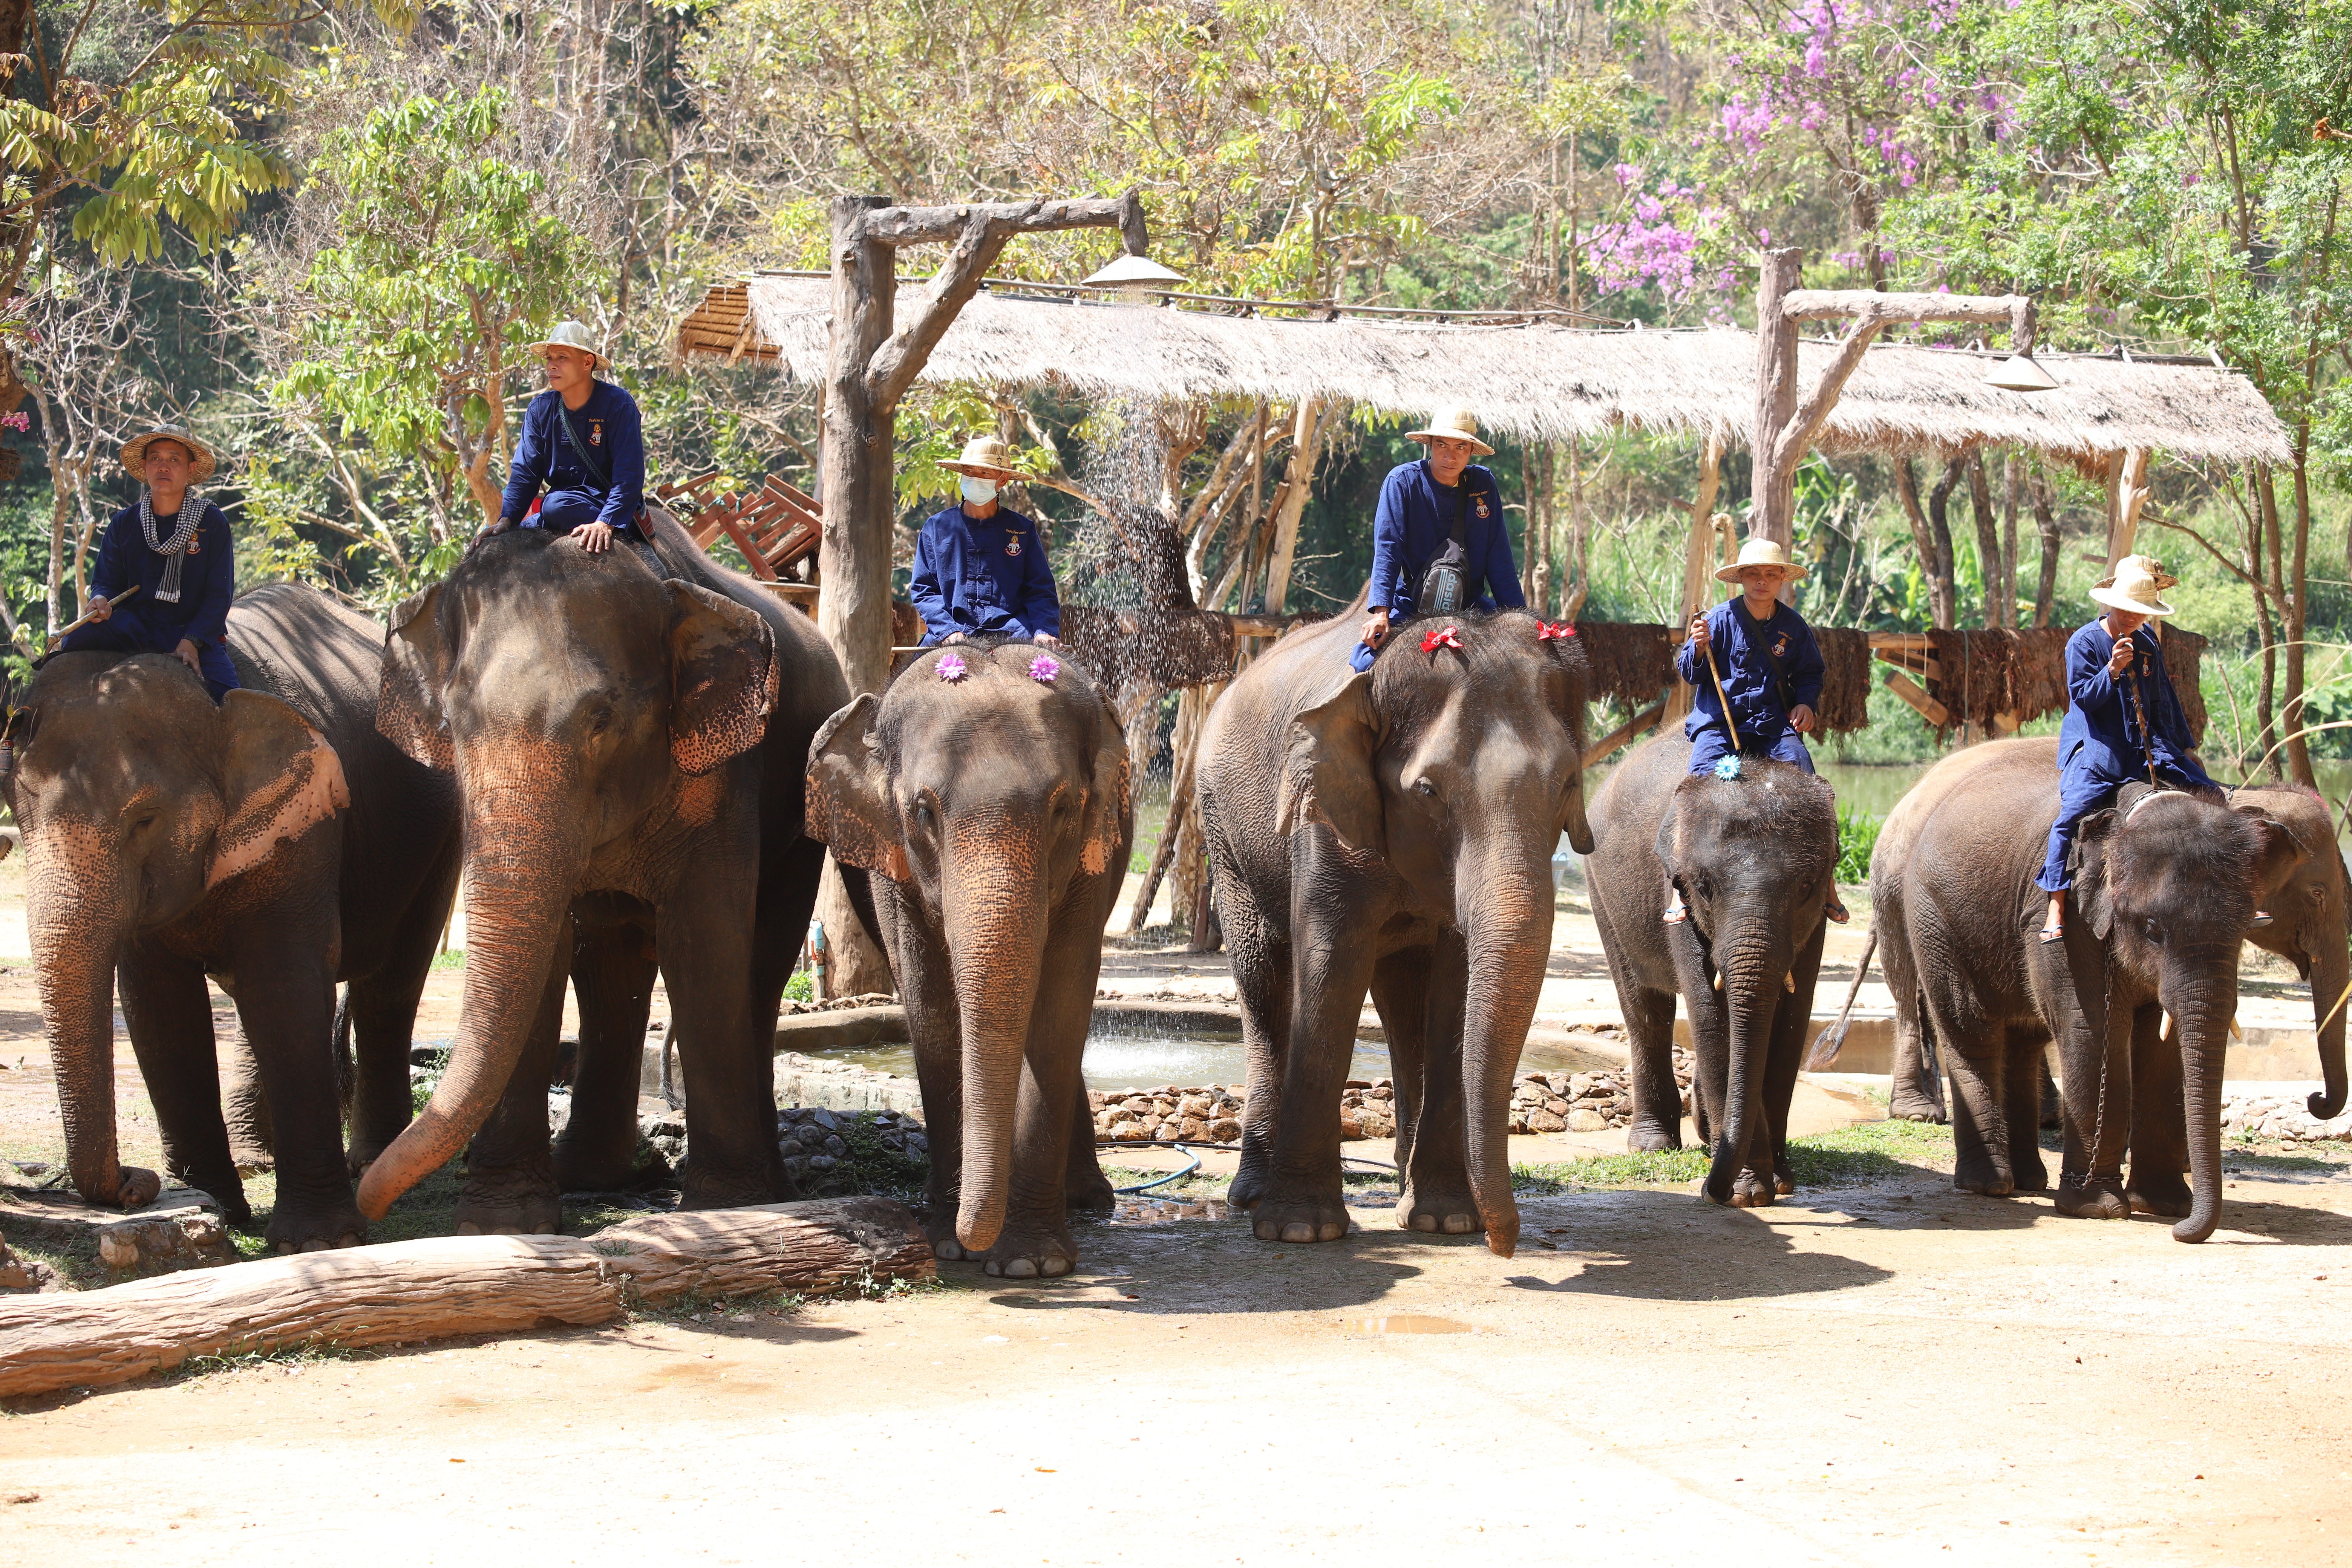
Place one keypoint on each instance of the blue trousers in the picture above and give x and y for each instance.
(2081, 792)
(1711, 746)
(124, 632)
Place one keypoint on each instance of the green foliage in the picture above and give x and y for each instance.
(1865, 1154)
(1857, 836)
(801, 988)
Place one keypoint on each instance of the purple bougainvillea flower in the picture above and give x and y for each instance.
(1045, 667)
(951, 667)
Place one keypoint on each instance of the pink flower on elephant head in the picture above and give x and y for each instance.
(951, 667)
(1045, 667)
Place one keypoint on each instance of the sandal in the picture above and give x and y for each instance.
(2052, 933)
(2261, 917)
(1677, 914)
(1836, 911)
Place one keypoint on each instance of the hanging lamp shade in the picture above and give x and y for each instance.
(1139, 273)
(2020, 373)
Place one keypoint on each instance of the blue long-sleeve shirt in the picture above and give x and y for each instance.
(208, 579)
(615, 436)
(1414, 520)
(1744, 650)
(983, 575)
(2100, 739)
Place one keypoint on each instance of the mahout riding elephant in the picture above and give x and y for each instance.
(1391, 831)
(629, 751)
(988, 788)
(276, 843)
(2165, 892)
(2307, 928)
(1754, 857)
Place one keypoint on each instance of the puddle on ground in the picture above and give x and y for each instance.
(1135, 1059)
(1404, 1324)
(1164, 1211)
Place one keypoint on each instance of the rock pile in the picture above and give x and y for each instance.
(827, 1153)
(2281, 1117)
(1211, 1115)
(1540, 1102)
(1584, 1102)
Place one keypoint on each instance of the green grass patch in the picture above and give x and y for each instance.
(279, 1356)
(1861, 1155)
(454, 959)
(801, 988)
(1857, 836)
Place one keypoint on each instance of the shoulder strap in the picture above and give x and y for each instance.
(1461, 505)
(1761, 635)
(596, 470)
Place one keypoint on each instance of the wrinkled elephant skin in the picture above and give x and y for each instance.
(1753, 858)
(1391, 832)
(2163, 897)
(274, 843)
(627, 750)
(993, 810)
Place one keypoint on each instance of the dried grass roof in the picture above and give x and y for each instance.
(1535, 381)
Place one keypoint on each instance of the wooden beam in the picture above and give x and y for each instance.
(2126, 493)
(1820, 304)
(1903, 686)
(1617, 739)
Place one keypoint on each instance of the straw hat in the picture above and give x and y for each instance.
(135, 452)
(2134, 585)
(1454, 425)
(984, 458)
(571, 336)
(1760, 553)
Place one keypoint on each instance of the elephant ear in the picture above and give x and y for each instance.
(849, 805)
(1327, 775)
(2280, 853)
(408, 710)
(1667, 845)
(722, 675)
(1110, 804)
(2093, 896)
(278, 780)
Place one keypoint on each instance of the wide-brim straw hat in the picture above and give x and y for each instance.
(984, 458)
(1454, 425)
(134, 453)
(1760, 553)
(572, 336)
(2134, 585)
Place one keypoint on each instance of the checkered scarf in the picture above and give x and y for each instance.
(175, 549)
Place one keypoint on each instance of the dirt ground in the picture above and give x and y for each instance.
(1882, 1372)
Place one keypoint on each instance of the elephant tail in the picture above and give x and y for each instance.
(1832, 1040)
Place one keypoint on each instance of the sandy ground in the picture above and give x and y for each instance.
(1887, 1374)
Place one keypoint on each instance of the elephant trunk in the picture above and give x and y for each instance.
(77, 930)
(2331, 974)
(2203, 1025)
(521, 860)
(1578, 831)
(995, 919)
(1752, 959)
(1504, 903)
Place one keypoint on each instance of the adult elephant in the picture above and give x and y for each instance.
(1391, 831)
(274, 842)
(1754, 857)
(989, 788)
(1916, 1093)
(629, 751)
(2165, 892)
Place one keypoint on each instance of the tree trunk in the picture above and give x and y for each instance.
(1305, 437)
(1774, 485)
(2045, 523)
(2012, 470)
(1922, 545)
(2297, 603)
(860, 448)
(1940, 522)
(2265, 732)
(1988, 561)
(854, 964)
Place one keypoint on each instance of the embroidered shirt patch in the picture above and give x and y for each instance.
(1781, 649)
(1482, 509)
(595, 432)
(1013, 544)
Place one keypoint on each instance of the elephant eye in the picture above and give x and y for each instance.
(2155, 932)
(923, 815)
(600, 721)
(1422, 786)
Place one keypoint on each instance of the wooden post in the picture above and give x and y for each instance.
(1711, 545)
(1304, 440)
(2126, 493)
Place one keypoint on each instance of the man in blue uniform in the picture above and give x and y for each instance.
(2124, 721)
(1771, 670)
(980, 568)
(174, 548)
(1441, 509)
(582, 445)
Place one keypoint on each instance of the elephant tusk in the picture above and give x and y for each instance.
(2235, 1032)
(1788, 983)
(1719, 980)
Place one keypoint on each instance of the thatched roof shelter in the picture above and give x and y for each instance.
(1535, 381)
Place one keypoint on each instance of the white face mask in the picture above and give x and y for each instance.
(977, 490)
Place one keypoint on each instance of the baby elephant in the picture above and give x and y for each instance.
(988, 789)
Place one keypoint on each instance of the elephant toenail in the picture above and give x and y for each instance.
(1268, 1231)
(315, 1243)
(1020, 1268)
(347, 1239)
(947, 1251)
(1425, 1222)
(1459, 1225)
(1298, 1230)
(467, 1228)
(1332, 1231)
(1056, 1266)
(544, 1230)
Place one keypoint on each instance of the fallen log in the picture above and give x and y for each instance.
(411, 1291)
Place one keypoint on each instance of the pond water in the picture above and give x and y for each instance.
(1138, 1058)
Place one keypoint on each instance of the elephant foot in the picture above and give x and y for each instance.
(1915, 1107)
(585, 1172)
(1250, 1184)
(1983, 1175)
(1299, 1217)
(1448, 1214)
(2032, 1176)
(1782, 1185)
(704, 1189)
(253, 1159)
(1648, 1138)
(358, 1157)
(1031, 1252)
(2171, 1199)
(1093, 1195)
(490, 1207)
(2084, 1198)
(1750, 1191)
(315, 1227)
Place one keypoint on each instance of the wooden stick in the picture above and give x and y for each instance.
(413, 1291)
(74, 625)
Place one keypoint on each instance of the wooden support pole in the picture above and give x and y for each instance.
(1712, 544)
(411, 1291)
(1623, 736)
(1903, 686)
(1304, 440)
(2126, 493)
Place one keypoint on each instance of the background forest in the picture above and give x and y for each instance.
(323, 234)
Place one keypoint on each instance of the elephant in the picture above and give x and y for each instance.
(1391, 831)
(2165, 893)
(1754, 857)
(2308, 928)
(629, 752)
(274, 842)
(988, 788)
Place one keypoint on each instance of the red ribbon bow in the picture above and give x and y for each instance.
(1548, 632)
(1440, 636)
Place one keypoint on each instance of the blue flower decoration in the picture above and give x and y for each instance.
(1726, 767)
